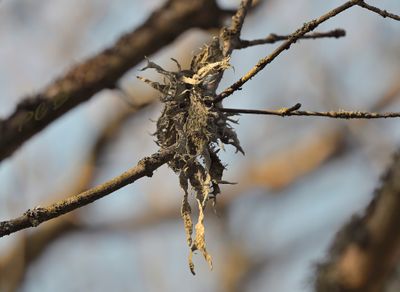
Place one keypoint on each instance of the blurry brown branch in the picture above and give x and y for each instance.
(391, 94)
(104, 70)
(296, 160)
(293, 111)
(34, 217)
(273, 38)
(366, 249)
(28, 248)
(381, 12)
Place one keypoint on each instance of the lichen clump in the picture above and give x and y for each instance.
(194, 126)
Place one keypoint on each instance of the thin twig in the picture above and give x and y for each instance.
(36, 216)
(293, 111)
(383, 13)
(273, 38)
(306, 28)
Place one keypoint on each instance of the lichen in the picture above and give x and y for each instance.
(196, 128)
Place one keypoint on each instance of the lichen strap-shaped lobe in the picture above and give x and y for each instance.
(196, 128)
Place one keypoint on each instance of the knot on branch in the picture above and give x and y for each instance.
(34, 215)
(5, 228)
(145, 163)
(287, 111)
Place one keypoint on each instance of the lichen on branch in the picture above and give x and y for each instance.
(196, 128)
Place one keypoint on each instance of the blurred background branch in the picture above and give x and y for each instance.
(366, 250)
(104, 70)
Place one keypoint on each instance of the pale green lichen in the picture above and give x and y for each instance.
(196, 128)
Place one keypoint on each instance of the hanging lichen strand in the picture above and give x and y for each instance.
(196, 129)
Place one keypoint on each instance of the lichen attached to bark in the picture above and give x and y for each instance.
(194, 126)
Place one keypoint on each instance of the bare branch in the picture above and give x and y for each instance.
(383, 13)
(366, 250)
(293, 111)
(273, 38)
(36, 216)
(306, 28)
(103, 71)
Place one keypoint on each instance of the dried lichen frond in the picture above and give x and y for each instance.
(196, 128)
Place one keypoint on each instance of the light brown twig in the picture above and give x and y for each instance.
(293, 111)
(383, 13)
(36, 216)
(366, 250)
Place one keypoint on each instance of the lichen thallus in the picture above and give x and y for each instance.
(197, 129)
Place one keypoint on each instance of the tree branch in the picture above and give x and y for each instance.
(36, 216)
(366, 250)
(103, 71)
(14, 265)
(383, 13)
(273, 38)
(293, 111)
(306, 28)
